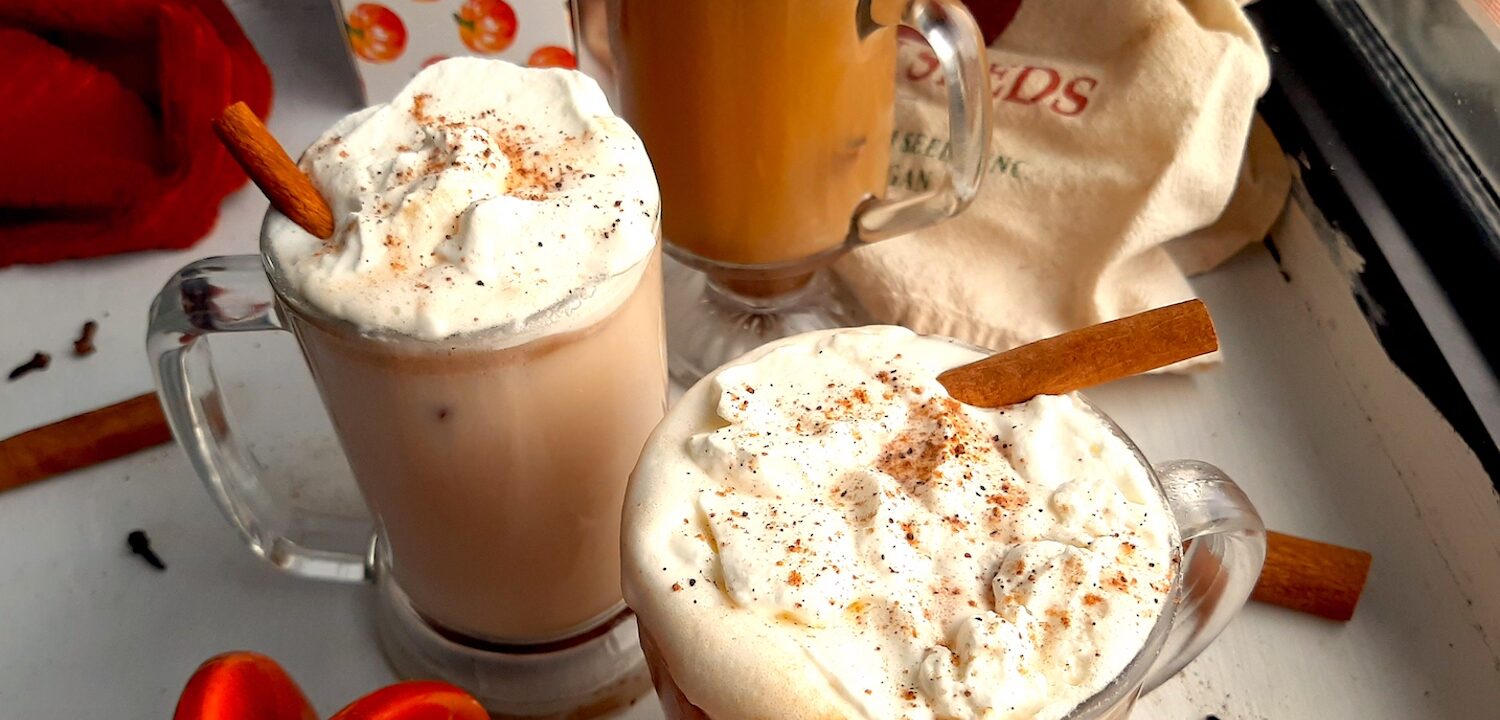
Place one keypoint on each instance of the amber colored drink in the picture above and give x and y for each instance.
(768, 122)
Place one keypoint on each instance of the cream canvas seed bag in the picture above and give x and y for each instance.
(1120, 128)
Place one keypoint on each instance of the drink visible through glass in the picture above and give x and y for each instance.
(497, 474)
(485, 328)
(769, 126)
(768, 123)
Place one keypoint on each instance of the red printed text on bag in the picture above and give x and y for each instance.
(1064, 93)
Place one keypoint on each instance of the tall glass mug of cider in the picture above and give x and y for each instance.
(769, 127)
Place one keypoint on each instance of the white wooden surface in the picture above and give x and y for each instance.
(1329, 439)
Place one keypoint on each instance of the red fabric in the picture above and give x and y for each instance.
(105, 133)
(993, 16)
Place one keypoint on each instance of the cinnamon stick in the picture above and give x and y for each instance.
(83, 440)
(1312, 577)
(1304, 575)
(1086, 357)
(272, 170)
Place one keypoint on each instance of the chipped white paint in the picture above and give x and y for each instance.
(1333, 442)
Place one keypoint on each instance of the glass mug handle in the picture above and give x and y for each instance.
(959, 47)
(218, 295)
(1221, 565)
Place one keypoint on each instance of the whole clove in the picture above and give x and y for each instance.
(140, 544)
(38, 361)
(84, 345)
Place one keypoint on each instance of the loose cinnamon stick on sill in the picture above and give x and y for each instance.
(83, 440)
(272, 170)
(1312, 577)
(1086, 357)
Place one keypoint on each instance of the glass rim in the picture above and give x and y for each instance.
(1133, 676)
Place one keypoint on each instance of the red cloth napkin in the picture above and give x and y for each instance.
(993, 16)
(105, 142)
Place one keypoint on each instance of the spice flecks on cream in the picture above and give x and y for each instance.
(929, 559)
(484, 197)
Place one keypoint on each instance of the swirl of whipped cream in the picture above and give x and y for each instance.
(820, 531)
(484, 197)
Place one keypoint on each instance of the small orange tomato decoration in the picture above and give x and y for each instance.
(415, 700)
(250, 686)
(552, 56)
(375, 32)
(242, 686)
(486, 26)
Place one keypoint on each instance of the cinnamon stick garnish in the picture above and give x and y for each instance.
(1086, 357)
(272, 170)
(1312, 577)
(83, 440)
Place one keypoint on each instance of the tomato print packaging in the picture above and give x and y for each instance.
(390, 40)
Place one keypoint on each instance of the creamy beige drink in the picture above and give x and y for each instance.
(820, 531)
(496, 478)
(485, 328)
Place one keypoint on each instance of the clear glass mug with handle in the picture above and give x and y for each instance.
(494, 471)
(769, 125)
(1222, 547)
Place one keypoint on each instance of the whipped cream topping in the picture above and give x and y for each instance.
(830, 534)
(485, 196)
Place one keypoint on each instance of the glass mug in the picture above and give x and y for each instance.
(1222, 545)
(769, 125)
(495, 475)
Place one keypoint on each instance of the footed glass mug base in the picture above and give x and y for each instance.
(712, 320)
(590, 674)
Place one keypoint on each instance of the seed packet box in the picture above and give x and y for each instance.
(389, 41)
